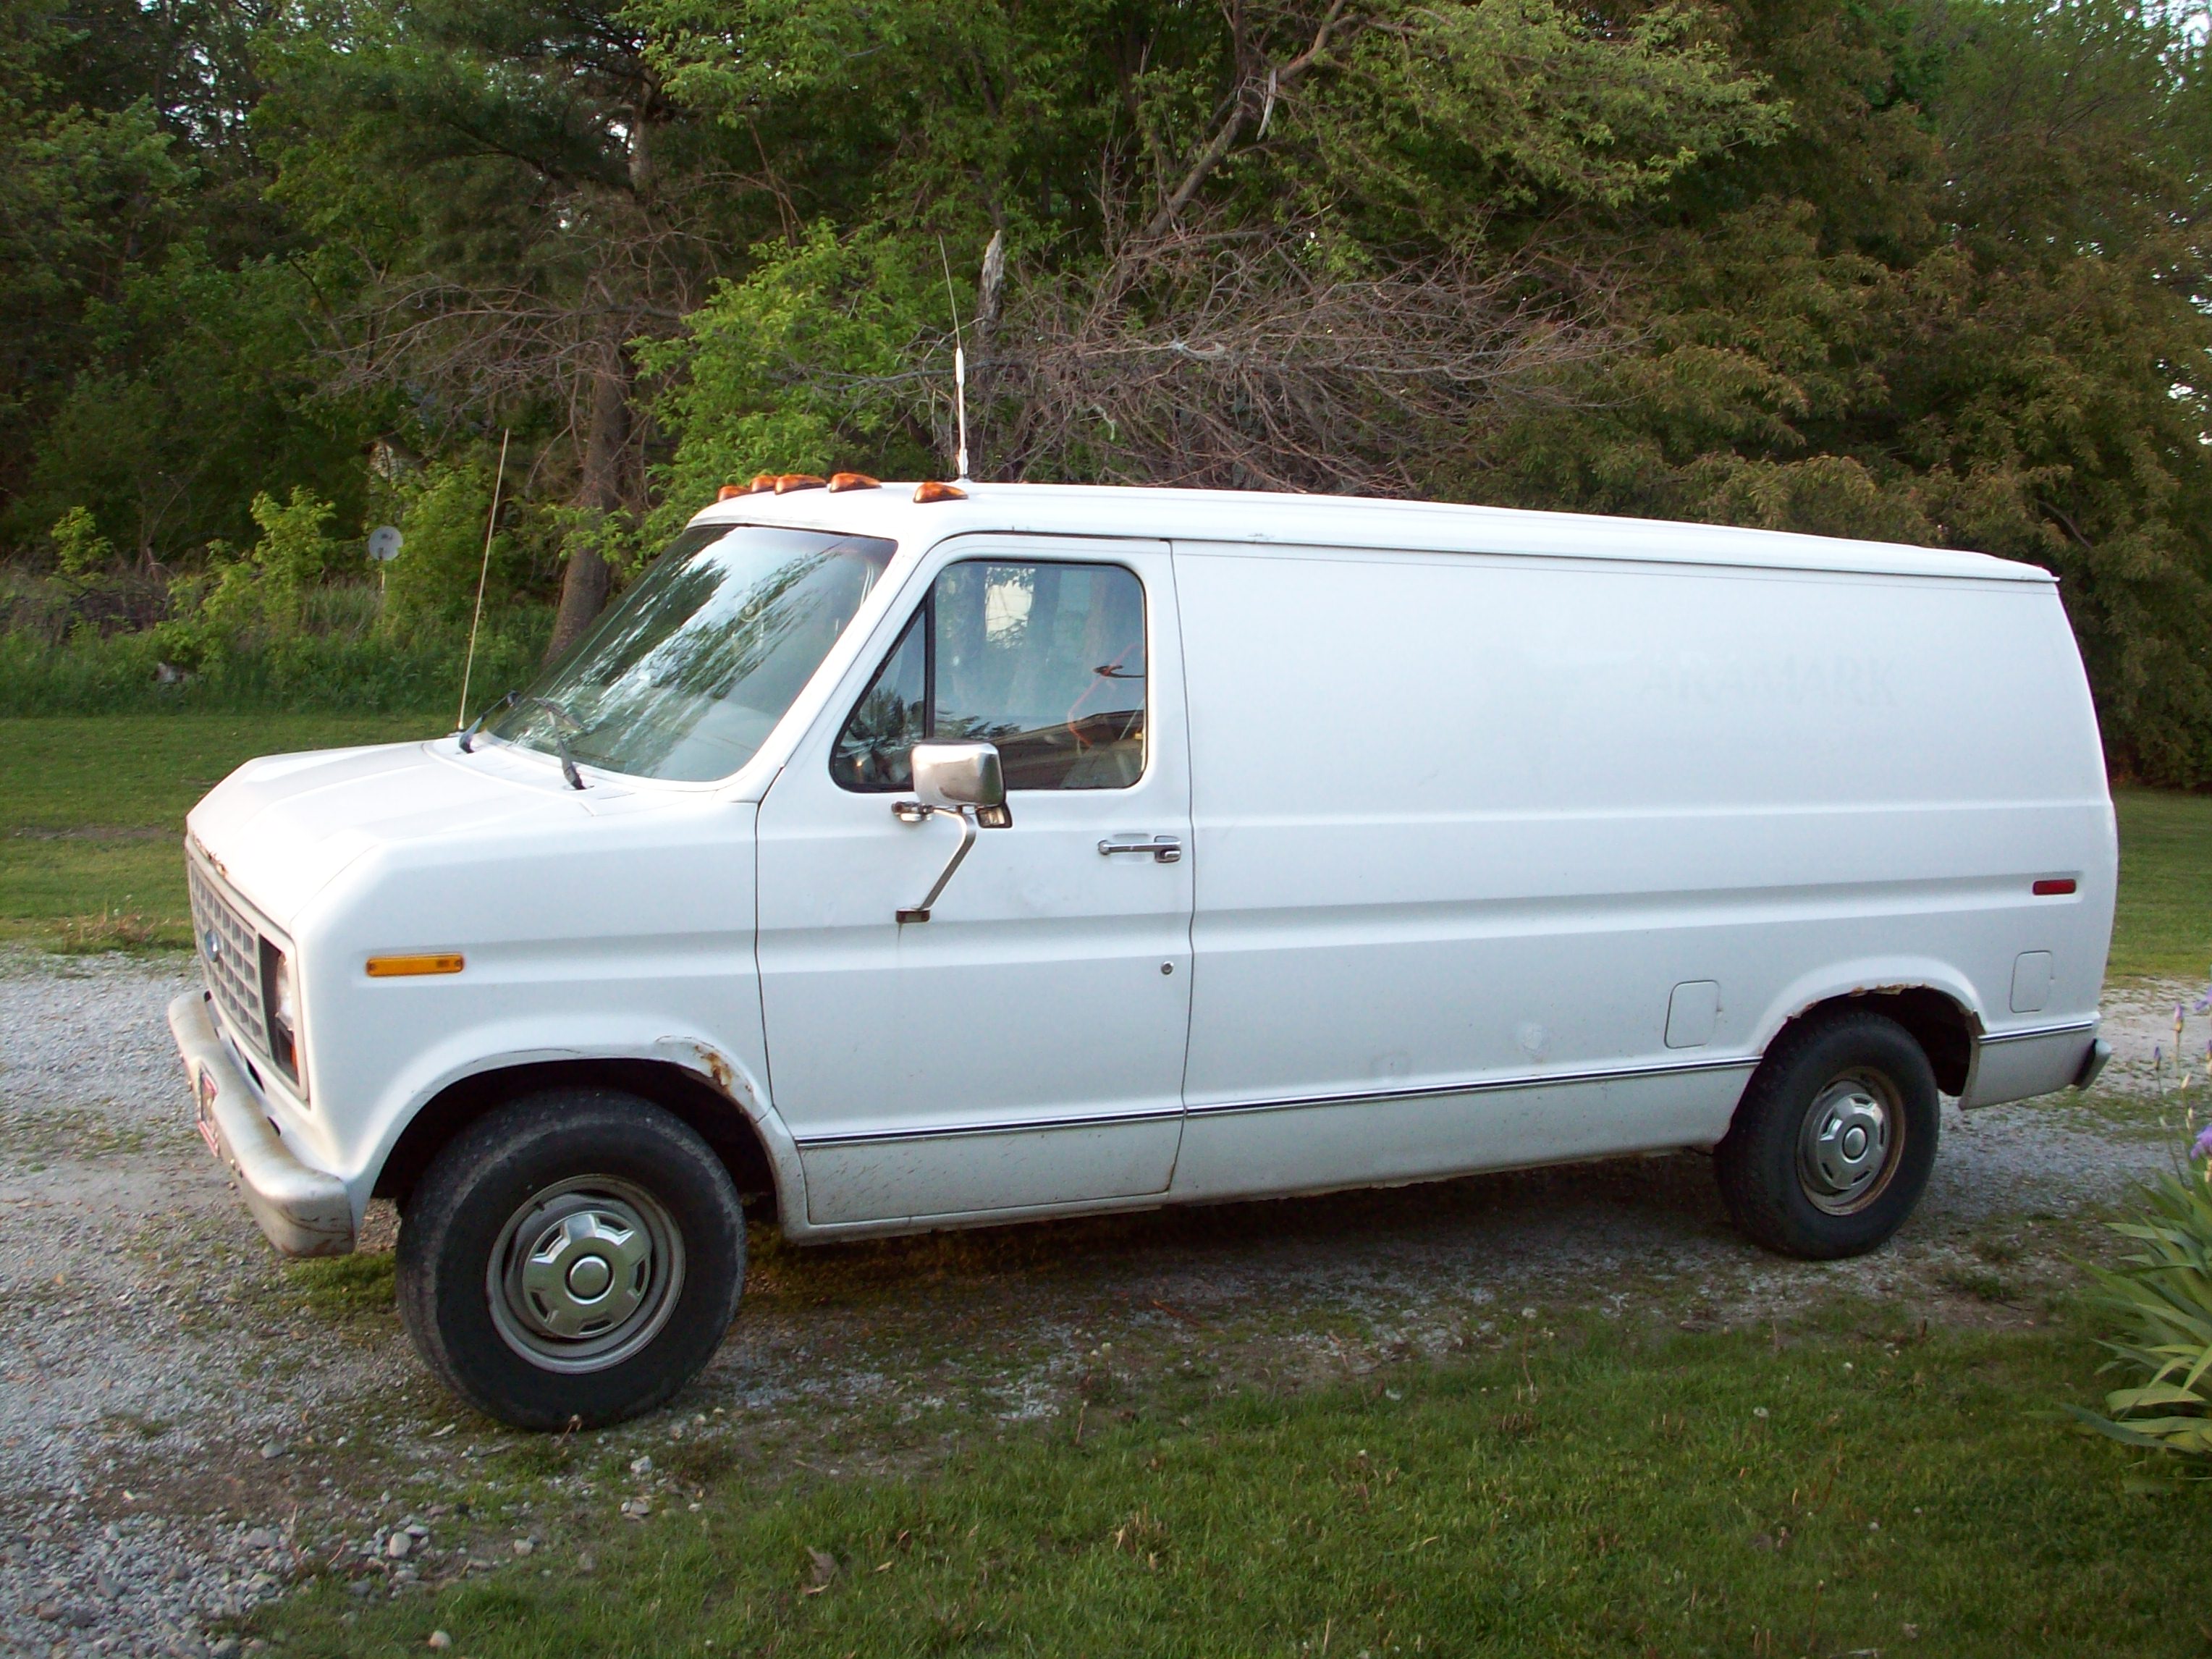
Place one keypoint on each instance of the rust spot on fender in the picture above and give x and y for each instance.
(725, 1079)
(718, 1069)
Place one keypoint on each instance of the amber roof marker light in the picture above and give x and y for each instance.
(782, 483)
(935, 491)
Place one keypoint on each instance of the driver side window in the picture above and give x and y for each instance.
(1045, 660)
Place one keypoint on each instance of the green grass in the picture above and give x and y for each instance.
(343, 1287)
(92, 811)
(1668, 1495)
(2163, 924)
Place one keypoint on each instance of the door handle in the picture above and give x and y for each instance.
(1164, 849)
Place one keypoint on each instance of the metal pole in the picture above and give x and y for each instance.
(469, 665)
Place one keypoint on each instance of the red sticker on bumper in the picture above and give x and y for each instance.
(203, 1087)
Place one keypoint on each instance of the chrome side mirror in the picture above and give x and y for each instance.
(961, 781)
(957, 775)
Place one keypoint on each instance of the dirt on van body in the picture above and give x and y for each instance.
(189, 1427)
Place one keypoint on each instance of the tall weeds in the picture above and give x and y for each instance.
(2160, 1298)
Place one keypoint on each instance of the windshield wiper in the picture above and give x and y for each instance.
(467, 739)
(562, 717)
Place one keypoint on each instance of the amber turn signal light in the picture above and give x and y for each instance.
(791, 481)
(449, 962)
(730, 492)
(841, 481)
(935, 491)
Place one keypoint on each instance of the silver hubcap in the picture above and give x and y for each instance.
(1849, 1144)
(585, 1274)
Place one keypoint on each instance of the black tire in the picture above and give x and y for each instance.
(545, 1338)
(1806, 1192)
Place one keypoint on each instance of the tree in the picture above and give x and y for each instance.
(154, 371)
(521, 201)
(1290, 245)
(1967, 312)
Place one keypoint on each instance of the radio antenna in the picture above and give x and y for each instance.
(959, 361)
(469, 664)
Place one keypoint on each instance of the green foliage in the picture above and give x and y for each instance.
(358, 671)
(155, 367)
(204, 396)
(433, 580)
(80, 550)
(803, 367)
(81, 192)
(2163, 1301)
(626, 540)
(261, 595)
(1462, 111)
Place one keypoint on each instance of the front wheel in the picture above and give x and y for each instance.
(1833, 1140)
(574, 1257)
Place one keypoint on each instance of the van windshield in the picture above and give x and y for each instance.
(688, 673)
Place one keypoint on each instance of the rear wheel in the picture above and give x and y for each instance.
(1833, 1140)
(574, 1257)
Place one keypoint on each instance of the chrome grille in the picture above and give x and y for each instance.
(230, 956)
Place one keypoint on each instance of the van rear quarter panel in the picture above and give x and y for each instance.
(1461, 818)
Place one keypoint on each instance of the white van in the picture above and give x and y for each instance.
(904, 859)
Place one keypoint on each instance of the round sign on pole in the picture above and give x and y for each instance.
(383, 543)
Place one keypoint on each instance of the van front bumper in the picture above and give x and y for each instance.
(304, 1212)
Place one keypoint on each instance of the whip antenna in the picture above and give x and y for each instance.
(469, 664)
(959, 361)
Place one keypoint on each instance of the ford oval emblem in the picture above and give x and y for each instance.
(213, 944)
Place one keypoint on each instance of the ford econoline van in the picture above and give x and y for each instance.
(895, 859)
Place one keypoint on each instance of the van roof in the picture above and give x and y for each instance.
(1275, 519)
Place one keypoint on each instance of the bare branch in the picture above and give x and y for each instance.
(1276, 80)
(1242, 361)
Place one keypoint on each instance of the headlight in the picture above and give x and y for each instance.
(278, 998)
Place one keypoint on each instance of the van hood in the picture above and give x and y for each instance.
(280, 828)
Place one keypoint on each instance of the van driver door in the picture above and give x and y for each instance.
(1023, 1049)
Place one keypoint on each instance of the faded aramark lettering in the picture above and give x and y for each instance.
(1856, 679)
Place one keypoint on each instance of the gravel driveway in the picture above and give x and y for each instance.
(188, 1426)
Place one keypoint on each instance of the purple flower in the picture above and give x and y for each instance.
(2203, 1146)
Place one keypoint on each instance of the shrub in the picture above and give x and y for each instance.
(433, 580)
(353, 669)
(263, 593)
(80, 550)
(2163, 1300)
